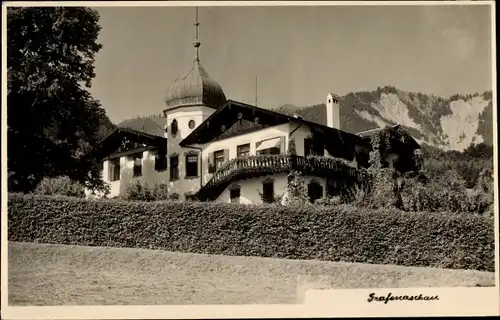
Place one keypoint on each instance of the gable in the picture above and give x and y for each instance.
(241, 126)
(231, 120)
(226, 117)
(150, 125)
(124, 140)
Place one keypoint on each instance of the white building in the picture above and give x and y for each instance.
(223, 150)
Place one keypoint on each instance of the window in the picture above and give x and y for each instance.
(274, 150)
(191, 124)
(234, 195)
(314, 191)
(174, 128)
(174, 168)
(114, 170)
(313, 148)
(218, 159)
(160, 161)
(269, 146)
(268, 191)
(137, 166)
(191, 165)
(243, 150)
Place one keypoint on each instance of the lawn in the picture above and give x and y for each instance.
(46, 274)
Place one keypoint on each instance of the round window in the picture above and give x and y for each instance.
(191, 124)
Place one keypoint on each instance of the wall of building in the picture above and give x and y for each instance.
(249, 189)
(299, 135)
(149, 174)
(183, 115)
(231, 144)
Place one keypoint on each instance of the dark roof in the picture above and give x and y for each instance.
(228, 115)
(154, 126)
(365, 135)
(112, 141)
(371, 132)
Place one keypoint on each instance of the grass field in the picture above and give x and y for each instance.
(45, 274)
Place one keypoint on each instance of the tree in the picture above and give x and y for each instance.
(52, 119)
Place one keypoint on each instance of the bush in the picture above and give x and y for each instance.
(296, 190)
(329, 201)
(448, 193)
(383, 191)
(160, 192)
(60, 186)
(334, 233)
(140, 190)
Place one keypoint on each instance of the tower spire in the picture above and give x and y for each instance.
(196, 43)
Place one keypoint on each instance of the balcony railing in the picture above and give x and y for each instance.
(252, 166)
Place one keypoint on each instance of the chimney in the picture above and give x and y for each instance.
(333, 111)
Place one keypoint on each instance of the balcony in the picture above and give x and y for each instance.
(255, 166)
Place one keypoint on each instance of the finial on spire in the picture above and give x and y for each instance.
(196, 43)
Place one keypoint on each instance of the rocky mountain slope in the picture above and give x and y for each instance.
(452, 123)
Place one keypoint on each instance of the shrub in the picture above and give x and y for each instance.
(485, 181)
(138, 190)
(333, 233)
(296, 190)
(60, 186)
(329, 201)
(99, 188)
(174, 196)
(383, 191)
(448, 194)
(160, 191)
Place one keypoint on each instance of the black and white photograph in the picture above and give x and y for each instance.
(198, 154)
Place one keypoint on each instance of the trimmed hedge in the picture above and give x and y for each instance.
(340, 233)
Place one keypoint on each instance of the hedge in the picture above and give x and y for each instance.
(340, 233)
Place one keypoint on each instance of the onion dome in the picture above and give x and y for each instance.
(195, 88)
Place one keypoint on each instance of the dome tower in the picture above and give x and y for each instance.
(195, 88)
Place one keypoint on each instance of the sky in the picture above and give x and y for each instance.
(298, 54)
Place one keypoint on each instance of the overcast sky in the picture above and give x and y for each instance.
(299, 54)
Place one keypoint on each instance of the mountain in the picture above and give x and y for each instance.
(452, 123)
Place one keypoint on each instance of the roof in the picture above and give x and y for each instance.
(154, 126)
(371, 132)
(112, 141)
(228, 115)
(195, 88)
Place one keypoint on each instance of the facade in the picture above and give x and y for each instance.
(213, 149)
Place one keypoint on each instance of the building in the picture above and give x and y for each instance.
(222, 150)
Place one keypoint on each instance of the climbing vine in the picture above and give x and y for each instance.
(296, 187)
(292, 150)
(387, 141)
